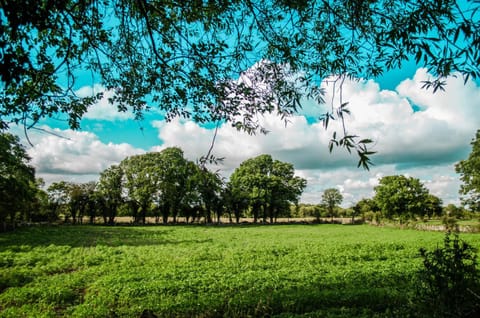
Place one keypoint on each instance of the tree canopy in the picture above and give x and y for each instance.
(221, 60)
(331, 198)
(268, 185)
(469, 170)
(17, 179)
(401, 196)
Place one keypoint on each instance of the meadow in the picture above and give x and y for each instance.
(211, 271)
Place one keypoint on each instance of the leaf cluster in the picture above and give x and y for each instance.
(470, 176)
(449, 281)
(184, 57)
(401, 196)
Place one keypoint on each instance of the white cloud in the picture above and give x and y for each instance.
(423, 144)
(74, 155)
(103, 109)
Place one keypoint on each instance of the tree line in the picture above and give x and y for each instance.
(166, 186)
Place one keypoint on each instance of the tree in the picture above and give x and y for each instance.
(157, 177)
(400, 196)
(433, 206)
(140, 183)
(210, 186)
(236, 199)
(365, 206)
(59, 197)
(269, 185)
(17, 180)
(89, 201)
(451, 210)
(73, 199)
(184, 56)
(173, 175)
(40, 211)
(469, 170)
(331, 198)
(110, 192)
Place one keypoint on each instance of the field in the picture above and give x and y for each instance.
(211, 271)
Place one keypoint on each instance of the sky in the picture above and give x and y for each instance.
(416, 133)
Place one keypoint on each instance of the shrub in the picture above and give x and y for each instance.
(449, 284)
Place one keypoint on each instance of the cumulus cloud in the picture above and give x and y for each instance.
(415, 131)
(74, 155)
(440, 133)
(407, 140)
(103, 109)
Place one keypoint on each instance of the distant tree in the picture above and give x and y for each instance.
(210, 186)
(110, 189)
(59, 197)
(236, 199)
(77, 199)
(454, 211)
(303, 210)
(17, 180)
(433, 206)
(331, 198)
(174, 179)
(157, 177)
(270, 185)
(90, 200)
(40, 208)
(400, 196)
(285, 189)
(365, 206)
(469, 170)
(140, 183)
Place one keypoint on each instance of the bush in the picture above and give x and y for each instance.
(449, 284)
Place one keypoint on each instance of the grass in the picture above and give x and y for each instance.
(211, 271)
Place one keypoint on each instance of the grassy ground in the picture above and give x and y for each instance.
(210, 271)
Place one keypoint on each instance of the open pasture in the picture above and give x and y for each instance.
(211, 271)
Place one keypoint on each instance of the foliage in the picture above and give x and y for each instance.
(400, 196)
(18, 188)
(73, 200)
(454, 211)
(209, 186)
(366, 207)
(433, 206)
(270, 186)
(469, 170)
(449, 282)
(184, 57)
(231, 271)
(331, 198)
(110, 192)
(160, 178)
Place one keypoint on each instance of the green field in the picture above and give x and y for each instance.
(211, 271)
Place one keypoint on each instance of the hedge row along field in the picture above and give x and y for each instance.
(211, 271)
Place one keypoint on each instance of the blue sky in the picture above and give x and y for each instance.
(416, 133)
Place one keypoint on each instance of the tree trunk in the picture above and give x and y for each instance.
(112, 211)
(255, 211)
(165, 211)
(271, 213)
(144, 213)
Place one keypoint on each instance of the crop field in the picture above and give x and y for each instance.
(211, 271)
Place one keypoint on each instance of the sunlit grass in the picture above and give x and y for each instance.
(210, 271)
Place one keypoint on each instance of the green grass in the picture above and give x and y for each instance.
(210, 271)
